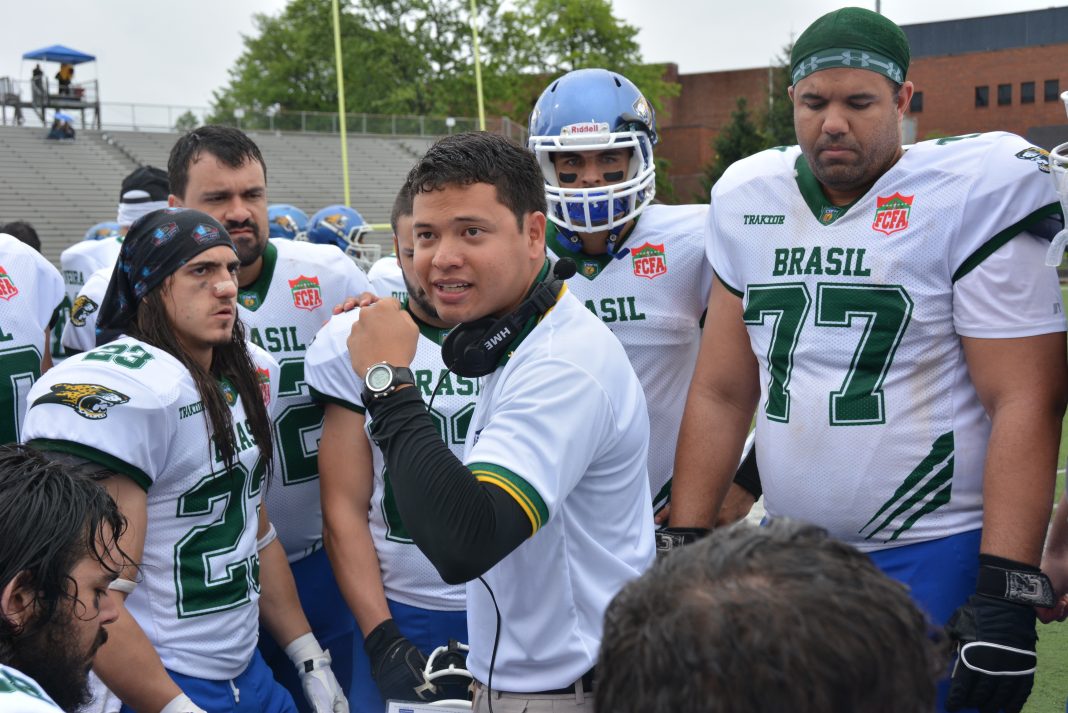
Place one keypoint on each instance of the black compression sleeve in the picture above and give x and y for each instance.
(747, 476)
(464, 527)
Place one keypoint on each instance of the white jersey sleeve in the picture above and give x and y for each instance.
(80, 333)
(83, 404)
(30, 291)
(21, 694)
(1010, 294)
(387, 280)
(327, 367)
(82, 259)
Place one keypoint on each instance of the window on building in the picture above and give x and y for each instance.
(916, 105)
(1004, 94)
(982, 96)
(1053, 90)
(1027, 92)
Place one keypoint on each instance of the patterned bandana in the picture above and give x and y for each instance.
(851, 37)
(156, 246)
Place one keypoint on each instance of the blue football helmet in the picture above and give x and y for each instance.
(102, 231)
(342, 226)
(287, 221)
(595, 110)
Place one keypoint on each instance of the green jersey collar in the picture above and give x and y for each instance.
(824, 211)
(434, 334)
(589, 266)
(253, 296)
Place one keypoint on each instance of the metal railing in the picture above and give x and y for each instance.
(128, 116)
(33, 100)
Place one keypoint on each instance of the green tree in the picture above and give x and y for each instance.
(541, 39)
(186, 122)
(778, 125)
(738, 139)
(417, 57)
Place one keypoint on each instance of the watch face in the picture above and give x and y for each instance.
(379, 377)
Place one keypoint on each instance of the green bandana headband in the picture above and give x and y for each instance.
(854, 38)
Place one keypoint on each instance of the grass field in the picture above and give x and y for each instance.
(1051, 681)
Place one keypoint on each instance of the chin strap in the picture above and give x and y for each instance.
(571, 242)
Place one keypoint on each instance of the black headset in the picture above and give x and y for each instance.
(474, 349)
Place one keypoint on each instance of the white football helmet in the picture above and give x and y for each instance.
(1058, 170)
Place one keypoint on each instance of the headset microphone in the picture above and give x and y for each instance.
(474, 349)
(564, 268)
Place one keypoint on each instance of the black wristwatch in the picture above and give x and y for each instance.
(382, 379)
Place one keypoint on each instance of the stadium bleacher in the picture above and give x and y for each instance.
(62, 188)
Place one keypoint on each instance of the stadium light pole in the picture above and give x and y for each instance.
(478, 68)
(341, 102)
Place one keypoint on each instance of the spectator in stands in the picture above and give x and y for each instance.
(64, 77)
(38, 85)
(61, 128)
(780, 618)
(24, 232)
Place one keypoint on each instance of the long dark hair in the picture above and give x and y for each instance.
(230, 361)
(50, 518)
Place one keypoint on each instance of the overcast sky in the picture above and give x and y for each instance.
(176, 53)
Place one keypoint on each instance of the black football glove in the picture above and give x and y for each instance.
(995, 634)
(672, 538)
(397, 667)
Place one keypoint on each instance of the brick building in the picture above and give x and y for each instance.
(1001, 72)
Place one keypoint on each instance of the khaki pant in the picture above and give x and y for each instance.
(580, 700)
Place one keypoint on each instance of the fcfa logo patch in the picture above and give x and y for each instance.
(649, 260)
(7, 287)
(263, 378)
(306, 293)
(892, 213)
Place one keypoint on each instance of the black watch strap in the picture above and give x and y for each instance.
(401, 375)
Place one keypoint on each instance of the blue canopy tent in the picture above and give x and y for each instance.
(59, 53)
(81, 96)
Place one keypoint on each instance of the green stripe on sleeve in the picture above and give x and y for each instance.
(991, 246)
(731, 289)
(328, 399)
(520, 490)
(97, 456)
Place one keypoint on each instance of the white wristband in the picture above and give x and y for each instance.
(182, 704)
(271, 536)
(303, 648)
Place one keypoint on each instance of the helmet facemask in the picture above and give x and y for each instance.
(586, 210)
(1058, 171)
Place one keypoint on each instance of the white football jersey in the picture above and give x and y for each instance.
(20, 694)
(78, 263)
(135, 408)
(30, 291)
(653, 299)
(82, 259)
(868, 424)
(282, 311)
(562, 427)
(407, 575)
(387, 279)
(80, 333)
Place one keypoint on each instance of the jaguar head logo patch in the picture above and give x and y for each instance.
(90, 401)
